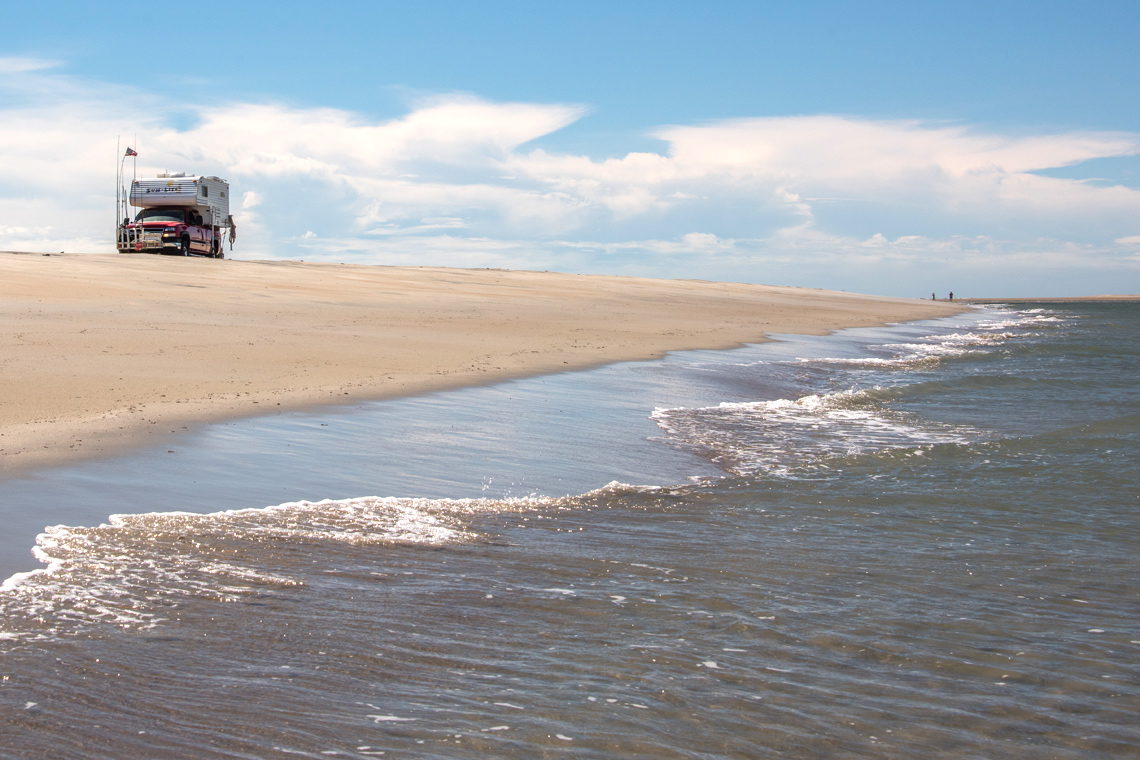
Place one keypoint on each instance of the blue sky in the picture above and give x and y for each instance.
(887, 147)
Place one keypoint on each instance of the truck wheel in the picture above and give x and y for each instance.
(184, 248)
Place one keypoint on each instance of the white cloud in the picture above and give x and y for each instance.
(18, 65)
(456, 181)
(462, 133)
(862, 150)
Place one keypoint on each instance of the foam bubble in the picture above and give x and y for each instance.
(930, 350)
(794, 437)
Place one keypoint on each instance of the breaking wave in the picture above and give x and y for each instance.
(796, 438)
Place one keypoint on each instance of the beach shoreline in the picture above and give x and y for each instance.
(1054, 299)
(104, 353)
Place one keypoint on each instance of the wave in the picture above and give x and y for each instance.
(134, 570)
(807, 436)
(930, 351)
(796, 438)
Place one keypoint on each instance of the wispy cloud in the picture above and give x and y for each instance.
(17, 65)
(457, 180)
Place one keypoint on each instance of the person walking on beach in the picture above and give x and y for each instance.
(951, 295)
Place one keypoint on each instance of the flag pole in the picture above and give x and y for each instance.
(118, 190)
(121, 194)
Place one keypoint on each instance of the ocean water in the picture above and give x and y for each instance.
(919, 540)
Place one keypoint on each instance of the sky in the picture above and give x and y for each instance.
(899, 148)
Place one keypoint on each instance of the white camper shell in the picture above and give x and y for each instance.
(209, 195)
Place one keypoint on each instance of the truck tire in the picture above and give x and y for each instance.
(184, 247)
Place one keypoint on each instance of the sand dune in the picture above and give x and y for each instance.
(100, 352)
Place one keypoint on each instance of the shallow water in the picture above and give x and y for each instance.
(917, 539)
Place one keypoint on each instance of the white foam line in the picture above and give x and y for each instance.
(390, 719)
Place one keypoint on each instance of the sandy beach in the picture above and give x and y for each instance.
(98, 352)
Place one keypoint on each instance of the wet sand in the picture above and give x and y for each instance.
(98, 352)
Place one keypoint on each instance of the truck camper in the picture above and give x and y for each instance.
(178, 213)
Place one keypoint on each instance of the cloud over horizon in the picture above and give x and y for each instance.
(818, 200)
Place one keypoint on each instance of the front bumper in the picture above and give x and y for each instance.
(148, 242)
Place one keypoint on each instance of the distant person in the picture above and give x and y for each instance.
(933, 297)
(951, 295)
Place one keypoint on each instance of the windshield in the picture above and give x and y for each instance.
(161, 215)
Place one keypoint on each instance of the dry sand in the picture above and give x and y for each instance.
(101, 352)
